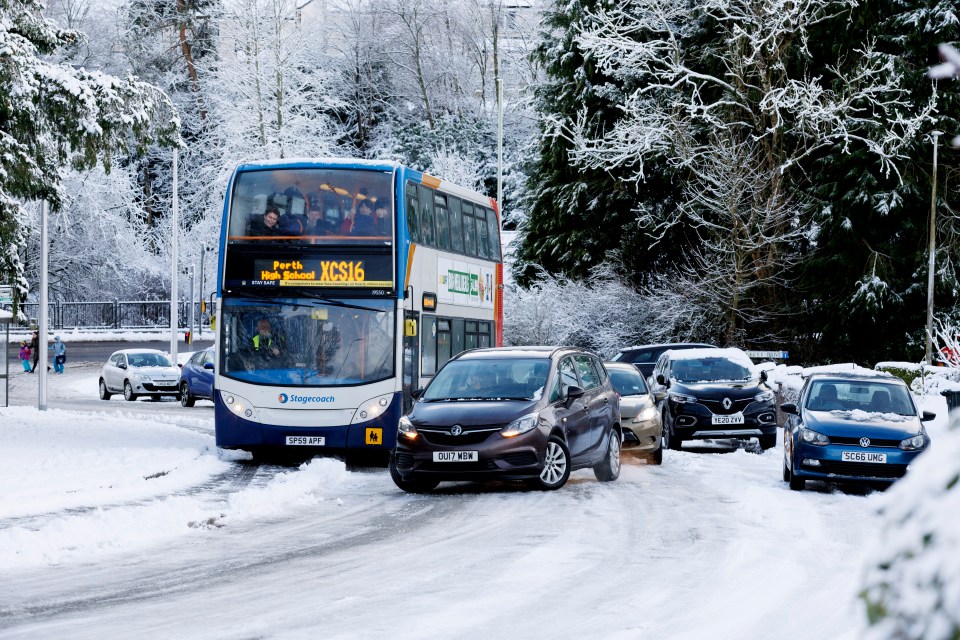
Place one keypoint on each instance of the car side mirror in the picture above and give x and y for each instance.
(208, 365)
(927, 416)
(789, 407)
(416, 393)
(659, 396)
(661, 379)
(574, 392)
(121, 366)
(763, 376)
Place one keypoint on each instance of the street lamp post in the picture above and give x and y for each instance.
(932, 248)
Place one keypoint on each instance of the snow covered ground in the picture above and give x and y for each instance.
(128, 522)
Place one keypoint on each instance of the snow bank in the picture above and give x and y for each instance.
(911, 584)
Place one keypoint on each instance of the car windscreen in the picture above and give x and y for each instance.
(489, 379)
(701, 370)
(872, 397)
(148, 360)
(627, 383)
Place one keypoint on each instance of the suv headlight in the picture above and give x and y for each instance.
(764, 396)
(520, 425)
(813, 437)
(680, 398)
(914, 443)
(406, 428)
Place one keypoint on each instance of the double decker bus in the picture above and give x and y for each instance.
(344, 285)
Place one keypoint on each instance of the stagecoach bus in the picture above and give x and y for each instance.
(344, 285)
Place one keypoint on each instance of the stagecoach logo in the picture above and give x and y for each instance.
(864, 442)
(456, 430)
(284, 399)
(727, 403)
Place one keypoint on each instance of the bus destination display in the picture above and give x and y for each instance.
(339, 272)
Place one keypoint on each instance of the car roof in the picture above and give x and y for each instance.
(519, 352)
(668, 345)
(128, 351)
(621, 365)
(730, 353)
(842, 376)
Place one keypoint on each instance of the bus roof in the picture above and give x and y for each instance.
(309, 163)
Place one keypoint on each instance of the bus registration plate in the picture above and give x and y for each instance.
(306, 441)
(456, 456)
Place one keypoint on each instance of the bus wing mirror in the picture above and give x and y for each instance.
(416, 393)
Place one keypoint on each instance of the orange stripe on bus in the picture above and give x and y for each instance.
(406, 284)
(430, 181)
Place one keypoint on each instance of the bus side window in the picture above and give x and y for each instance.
(456, 224)
(426, 215)
(493, 236)
(480, 213)
(443, 222)
(413, 216)
(469, 230)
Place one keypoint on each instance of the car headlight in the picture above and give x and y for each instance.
(680, 398)
(520, 425)
(914, 443)
(812, 437)
(764, 396)
(647, 414)
(406, 428)
(142, 377)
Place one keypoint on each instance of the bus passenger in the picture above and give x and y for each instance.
(382, 219)
(363, 223)
(267, 224)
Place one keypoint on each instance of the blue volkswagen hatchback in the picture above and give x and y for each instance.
(852, 428)
(196, 378)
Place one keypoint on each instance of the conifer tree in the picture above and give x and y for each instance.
(53, 116)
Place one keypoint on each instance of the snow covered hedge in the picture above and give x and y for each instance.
(912, 578)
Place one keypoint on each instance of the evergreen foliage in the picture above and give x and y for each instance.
(54, 116)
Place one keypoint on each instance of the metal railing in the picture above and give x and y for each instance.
(115, 314)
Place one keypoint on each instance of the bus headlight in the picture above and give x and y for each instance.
(239, 406)
(372, 409)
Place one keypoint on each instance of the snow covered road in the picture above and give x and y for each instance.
(117, 524)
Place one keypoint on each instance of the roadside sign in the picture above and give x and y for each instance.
(769, 355)
(6, 294)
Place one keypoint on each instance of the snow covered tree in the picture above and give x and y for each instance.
(54, 116)
(726, 96)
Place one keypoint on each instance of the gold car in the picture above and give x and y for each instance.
(638, 412)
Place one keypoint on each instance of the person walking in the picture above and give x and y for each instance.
(35, 349)
(25, 355)
(59, 354)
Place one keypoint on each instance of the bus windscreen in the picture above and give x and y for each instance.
(312, 206)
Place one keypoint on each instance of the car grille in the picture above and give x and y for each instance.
(472, 436)
(889, 444)
(483, 465)
(169, 386)
(862, 469)
(403, 460)
(716, 406)
(521, 459)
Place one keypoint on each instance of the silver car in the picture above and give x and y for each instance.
(639, 417)
(139, 372)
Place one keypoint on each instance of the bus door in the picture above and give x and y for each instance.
(411, 356)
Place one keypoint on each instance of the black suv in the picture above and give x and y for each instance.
(713, 393)
(533, 413)
(645, 356)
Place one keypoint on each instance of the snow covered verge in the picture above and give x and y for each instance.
(912, 581)
(78, 486)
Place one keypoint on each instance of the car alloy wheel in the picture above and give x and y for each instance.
(609, 468)
(128, 393)
(104, 393)
(556, 467)
(186, 399)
